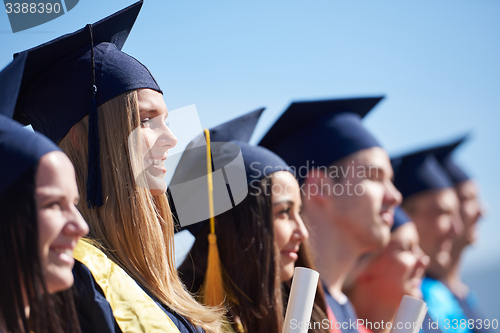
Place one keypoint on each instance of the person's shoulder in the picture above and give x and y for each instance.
(94, 311)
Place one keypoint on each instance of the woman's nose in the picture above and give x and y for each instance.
(76, 225)
(301, 230)
(166, 137)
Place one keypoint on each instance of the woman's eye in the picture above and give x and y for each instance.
(145, 122)
(284, 211)
(53, 205)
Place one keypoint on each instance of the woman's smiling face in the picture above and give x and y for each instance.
(289, 229)
(399, 268)
(60, 224)
(156, 138)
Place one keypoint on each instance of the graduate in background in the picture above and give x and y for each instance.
(348, 195)
(471, 211)
(102, 107)
(383, 278)
(430, 200)
(260, 240)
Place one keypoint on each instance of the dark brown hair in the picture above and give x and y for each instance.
(22, 278)
(250, 260)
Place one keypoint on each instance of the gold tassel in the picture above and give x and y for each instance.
(213, 289)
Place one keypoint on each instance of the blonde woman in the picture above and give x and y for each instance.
(106, 111)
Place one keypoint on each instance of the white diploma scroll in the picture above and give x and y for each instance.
(410, 315)
(301, 300)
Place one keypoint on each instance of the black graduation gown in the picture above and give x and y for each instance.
(94, 311)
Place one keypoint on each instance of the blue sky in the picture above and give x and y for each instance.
(437, 63)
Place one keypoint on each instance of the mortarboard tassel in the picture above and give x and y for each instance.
(94, 187)
(213, 289)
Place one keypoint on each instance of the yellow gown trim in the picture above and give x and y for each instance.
(133, 309)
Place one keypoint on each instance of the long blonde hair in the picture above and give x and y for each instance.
(133, 228)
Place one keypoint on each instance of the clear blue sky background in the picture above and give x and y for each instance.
(437, 62)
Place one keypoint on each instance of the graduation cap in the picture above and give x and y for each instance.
(235, 165)
(69, 77)
(400, 218)
(444, 154)
(20, 148)
(418, 172)
(321, 132)
(193, 162)
(10, 83)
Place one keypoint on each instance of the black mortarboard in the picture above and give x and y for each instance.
(193, 161)
(229, 145)
(185, 192)
(319, 133)
(444, 153)
(66, 79)
(418, 172)
(400, 218)
(20, 148)
(10, 82)
(260, 162)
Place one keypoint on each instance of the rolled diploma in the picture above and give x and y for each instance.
(421, 318)
(301, 300)
(411, 313)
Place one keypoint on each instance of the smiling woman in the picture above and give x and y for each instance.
(260, 240)
(39, 231)
(383, 278)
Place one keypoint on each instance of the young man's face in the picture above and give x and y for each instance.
(363, 199)
(436, 215)
(470, 210)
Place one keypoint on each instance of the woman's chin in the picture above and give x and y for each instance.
(156, 184)
(287, 271)
(156, 193)
(415, 292)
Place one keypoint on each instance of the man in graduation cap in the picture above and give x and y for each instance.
(430, 200)
(471, 211)
(457, 291)
(347, 193)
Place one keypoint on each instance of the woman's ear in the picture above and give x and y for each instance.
(73, 137)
